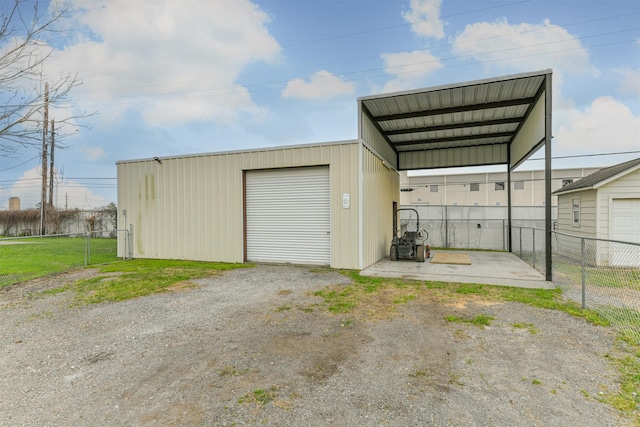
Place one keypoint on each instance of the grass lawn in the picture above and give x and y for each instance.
(25, 259)
(599, 276)
(123, 280)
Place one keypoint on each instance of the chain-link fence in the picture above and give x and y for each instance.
(469, 227)
(602, 275)
(25, 258)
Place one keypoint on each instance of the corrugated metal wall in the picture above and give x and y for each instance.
(381, 187)
(454, 156)
(370, 134)
(531, 133)
(192, 207)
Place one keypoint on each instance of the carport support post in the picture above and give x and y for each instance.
(547, 176)
(509, 236)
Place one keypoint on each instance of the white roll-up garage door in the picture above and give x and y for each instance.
(288, 215)
(625, 226)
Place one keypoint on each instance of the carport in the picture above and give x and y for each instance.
(498, 121)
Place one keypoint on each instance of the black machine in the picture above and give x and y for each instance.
(412, 244)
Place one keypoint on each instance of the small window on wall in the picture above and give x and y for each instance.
(499, 186)
(433, 188)
(575, 206)
(474, 186)
(518, 185)
(566, 182)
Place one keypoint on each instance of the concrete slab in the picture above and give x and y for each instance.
(489, 268)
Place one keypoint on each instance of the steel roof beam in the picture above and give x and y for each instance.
(458, 109)
(514, 120)
(456, 138)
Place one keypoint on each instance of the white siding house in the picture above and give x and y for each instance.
(604, 205)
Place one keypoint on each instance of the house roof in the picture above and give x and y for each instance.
(601, 177)
(465, 124)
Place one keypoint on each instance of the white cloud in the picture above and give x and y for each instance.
(171, 62)
(93, 153)
(424, 17)
(523, 47)
(410, 68)
(606, 126)
(630, 84)
(70, 193)
(321, 85)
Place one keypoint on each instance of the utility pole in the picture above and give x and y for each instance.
(53, 144)
(45, 132)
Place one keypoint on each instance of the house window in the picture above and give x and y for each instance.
(499, 186)
(566, 182)
(433, 188)
(575, 207)
(474, 186)
(518, 185)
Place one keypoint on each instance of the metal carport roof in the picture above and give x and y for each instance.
(475, 123)
(502, 120)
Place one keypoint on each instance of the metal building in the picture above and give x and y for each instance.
(326, 204)
(331, 204)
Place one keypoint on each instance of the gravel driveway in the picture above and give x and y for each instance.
(251, 347)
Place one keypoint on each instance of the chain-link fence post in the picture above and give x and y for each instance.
(533, 243)
(124, 251)
(130, 233)
(86, 249)
(520, 235)
(504, 236)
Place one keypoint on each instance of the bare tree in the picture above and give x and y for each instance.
(24, 50)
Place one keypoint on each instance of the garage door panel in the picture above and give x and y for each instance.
(288, 215)
(625, 227)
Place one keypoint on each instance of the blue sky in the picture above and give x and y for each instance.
(190, 76)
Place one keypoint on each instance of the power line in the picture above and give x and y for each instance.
(323, 39)
(588, 155)
(235, 76)
(23, 163)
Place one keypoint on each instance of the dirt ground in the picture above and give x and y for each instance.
(254, 347)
